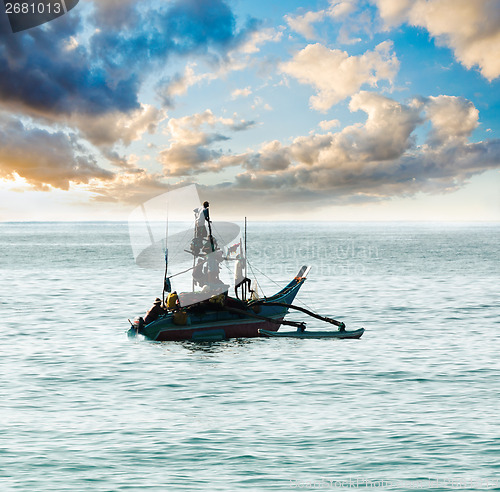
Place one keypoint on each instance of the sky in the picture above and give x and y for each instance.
(363, 110)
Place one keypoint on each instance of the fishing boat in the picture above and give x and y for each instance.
(223, 316)
(206, 311)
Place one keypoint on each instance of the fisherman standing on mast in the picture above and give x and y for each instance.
(202, 215)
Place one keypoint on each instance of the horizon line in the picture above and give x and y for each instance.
(406, 221)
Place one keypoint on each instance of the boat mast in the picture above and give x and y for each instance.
(210, 236)
(245, 264)
(166, 282)
(194, 255)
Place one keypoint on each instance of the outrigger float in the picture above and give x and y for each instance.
(212, 315)
(314, 334)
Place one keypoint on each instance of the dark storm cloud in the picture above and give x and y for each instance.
(45, 70)
(40, 71)
(185, 27)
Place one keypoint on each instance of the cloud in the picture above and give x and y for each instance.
(387, 132)
(303, 24)
(66, 80)
(340, 8)
(114, 14)
(335, 75)
(470, 29)
(82, 76)
(393, 12)
(241, 93)
(43, 158)
(273, 156)
(168, 89)
(89, 66)
(113, 127)
(236, 59)
(128, 187)
(258, 37)
(188, 128)
(182, 27)
(452, 118)
(370, 161)
(375, 160)
(328, 124)
(191, 137)
(258, 102)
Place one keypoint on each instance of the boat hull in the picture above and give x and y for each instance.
(240, 329)
(354, 334)
(220, 323)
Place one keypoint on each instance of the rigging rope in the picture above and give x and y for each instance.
(279, 285)
(255, 276)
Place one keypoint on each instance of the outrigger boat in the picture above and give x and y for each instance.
(223, 316)
(211, 314)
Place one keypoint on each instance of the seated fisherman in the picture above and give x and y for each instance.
(173, 301)
(154, 312)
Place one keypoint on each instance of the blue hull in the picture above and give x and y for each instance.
(220, 323)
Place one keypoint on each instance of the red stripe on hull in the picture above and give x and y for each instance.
(246, 330)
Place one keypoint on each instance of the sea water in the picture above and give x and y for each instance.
(414, 404)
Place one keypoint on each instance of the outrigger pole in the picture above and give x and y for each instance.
(298, 324)
(332, 321)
